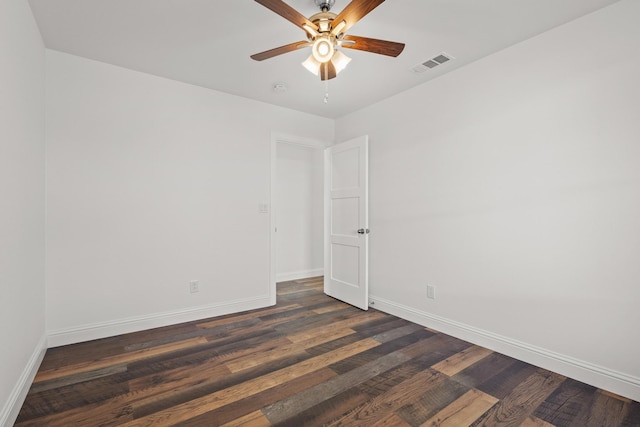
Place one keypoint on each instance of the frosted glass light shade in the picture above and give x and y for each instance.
(340, 61)
(312, 65)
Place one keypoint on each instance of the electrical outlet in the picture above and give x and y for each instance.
(431, 292)
(194, 286)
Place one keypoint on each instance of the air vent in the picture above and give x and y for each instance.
(432, 63)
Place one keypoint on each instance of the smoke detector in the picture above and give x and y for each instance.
(280, 87)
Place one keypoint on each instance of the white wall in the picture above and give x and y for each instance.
(152, 183)
(513, 186)
(299, 212)
(22, 324)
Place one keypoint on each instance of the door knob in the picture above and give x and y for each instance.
(363, 231)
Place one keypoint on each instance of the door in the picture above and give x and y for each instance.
(346, 240)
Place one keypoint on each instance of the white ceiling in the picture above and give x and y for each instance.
(208, 42)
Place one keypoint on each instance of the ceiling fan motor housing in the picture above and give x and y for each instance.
(325, 4)
(323, 20)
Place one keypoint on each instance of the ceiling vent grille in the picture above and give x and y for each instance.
(432, 63)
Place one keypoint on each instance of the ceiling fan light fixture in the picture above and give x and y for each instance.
(340, 61)
(312, 65)
(322, 49)
(325, 34)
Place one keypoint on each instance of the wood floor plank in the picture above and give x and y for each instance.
(377, 408)
(335, 344)
(615, 396)
(463, 411)
(283, 318)
(504, 381)
(333, 331)
(82, 377)
(391, 420)
(521, 402)
(316, 280)
(532, 421)
(327, 411)
(347, 318)
(483, 370)
(431, 401)
(234, 318)
(467, 357)
(378, 326)
(607, 411)
(254, 419)
(116, 359)
(384, 381)
(175, 380)
(311, 295)
(633, 416)
(402, 331)
(350, 320)
(211, 334)
(76, 396)
(88, 415)
(251, 360)
(311, 288)
(568, 405)
(329, 308)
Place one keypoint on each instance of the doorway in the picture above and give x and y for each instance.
(297, 219)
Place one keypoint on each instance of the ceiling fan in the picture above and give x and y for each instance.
(326, 33)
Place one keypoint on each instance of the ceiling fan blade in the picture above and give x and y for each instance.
(381, 47)
(279, 50)
(354, 12)
(288, 13)
(327, 71)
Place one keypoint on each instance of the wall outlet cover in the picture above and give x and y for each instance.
(194, 286)
(431, 292)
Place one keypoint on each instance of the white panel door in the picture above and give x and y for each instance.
(346, 222)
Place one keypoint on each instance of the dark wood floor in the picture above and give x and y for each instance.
(308, 361)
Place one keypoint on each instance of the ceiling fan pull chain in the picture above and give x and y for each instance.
(326, 91)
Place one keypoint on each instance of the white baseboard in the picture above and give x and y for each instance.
(597, 376)
(296, 275)
(9, 412)
(123, 326)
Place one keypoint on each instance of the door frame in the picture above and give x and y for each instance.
(281, 138)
